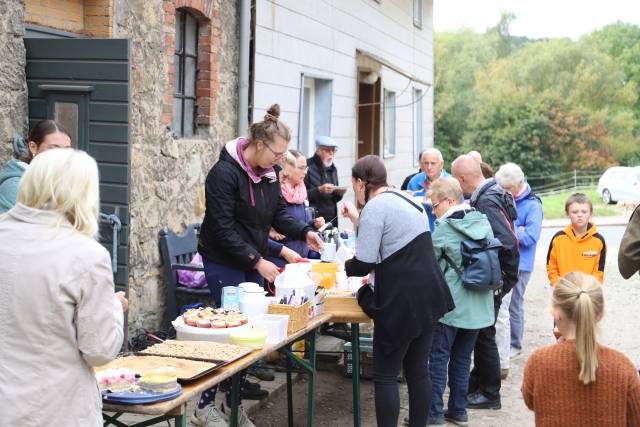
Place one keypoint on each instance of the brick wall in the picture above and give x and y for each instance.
(90, 17)
(208, 15)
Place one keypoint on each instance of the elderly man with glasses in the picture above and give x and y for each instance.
(322, 180)
(431, 164)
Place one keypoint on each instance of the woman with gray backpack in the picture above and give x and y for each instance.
(467, 254)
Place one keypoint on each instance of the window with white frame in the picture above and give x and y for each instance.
(315, 112)
(418, 134)
(389, 123)
(417, 13)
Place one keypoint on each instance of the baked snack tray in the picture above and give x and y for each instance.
(183, 378)
(202, 351)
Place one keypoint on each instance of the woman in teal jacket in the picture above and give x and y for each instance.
(455, 335)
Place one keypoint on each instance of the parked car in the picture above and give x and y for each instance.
(619, 183)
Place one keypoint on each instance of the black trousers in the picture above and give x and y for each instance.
(485, 376)
(413, 356)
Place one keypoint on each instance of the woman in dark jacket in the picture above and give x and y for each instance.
(409, 292)
(243, 202)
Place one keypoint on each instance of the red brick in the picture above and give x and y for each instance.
(169, 8)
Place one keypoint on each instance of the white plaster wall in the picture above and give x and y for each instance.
(320, 38)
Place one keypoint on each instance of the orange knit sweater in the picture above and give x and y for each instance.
(551, 389)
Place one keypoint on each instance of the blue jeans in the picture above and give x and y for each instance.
(516, 309)
(451, 351)
(219, 275)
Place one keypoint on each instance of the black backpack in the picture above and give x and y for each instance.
(480, 264)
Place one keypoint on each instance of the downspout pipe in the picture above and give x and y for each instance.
(243, 75)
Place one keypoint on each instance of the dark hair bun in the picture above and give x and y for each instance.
(273, 113)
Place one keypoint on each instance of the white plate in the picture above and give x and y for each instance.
(193, 333)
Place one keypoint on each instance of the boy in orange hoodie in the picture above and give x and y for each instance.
(579, 247)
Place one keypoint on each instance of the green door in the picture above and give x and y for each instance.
(84, 84)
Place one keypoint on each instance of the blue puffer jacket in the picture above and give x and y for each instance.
(528, 226)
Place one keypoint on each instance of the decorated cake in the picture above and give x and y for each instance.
(213, 318)
(116, 380)
(159, 380)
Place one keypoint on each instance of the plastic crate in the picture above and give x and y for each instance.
(366, 358)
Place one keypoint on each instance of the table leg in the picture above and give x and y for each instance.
(312, 376)
(355, 352)
(289, 392)
(235, 398)
(309, 368)
(181, 420)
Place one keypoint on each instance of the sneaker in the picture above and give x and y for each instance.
(515, 352)
(243, 418)
(431, 421)
(435, 421)
(261, 371)
(504, 373)
(209, 416)
(477, 400)
(457, 419)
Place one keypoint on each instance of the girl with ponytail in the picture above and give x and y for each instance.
(606, 391)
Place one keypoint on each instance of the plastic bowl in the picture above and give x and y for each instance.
(252, 338)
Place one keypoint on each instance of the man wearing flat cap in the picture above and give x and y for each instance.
(322, 180)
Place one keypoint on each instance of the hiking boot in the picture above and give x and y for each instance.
(209, 416)
(252, 391)
(477, 400)
(457, 419)
(261, 371)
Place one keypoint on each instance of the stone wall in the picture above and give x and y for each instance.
(167, 175)
(13, 87)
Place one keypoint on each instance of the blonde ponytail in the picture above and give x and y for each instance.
(579, 296)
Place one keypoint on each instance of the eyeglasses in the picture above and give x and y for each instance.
(278, 155)
(329, 149)
(435, 205)
(303, 168)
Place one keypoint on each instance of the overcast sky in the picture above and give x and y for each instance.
(535, 19)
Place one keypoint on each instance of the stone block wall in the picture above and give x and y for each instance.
(167, 174)
(13, 86)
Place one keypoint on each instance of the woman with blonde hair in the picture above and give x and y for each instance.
(294, 191)
(57, 296)
(455, 335)
(578, 382)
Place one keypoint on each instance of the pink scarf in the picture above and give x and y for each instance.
(294, 195)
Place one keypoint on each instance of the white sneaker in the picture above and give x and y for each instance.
(243, 418)
(209, 416)
(515, 353)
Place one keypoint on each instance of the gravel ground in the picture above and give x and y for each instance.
(618, 329)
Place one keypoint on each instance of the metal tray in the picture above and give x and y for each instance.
(182, 380)
(219, 363)
(201, 359)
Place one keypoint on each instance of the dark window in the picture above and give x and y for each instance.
(417, 13)
(185, 62)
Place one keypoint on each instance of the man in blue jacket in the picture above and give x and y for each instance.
(431, 164)
(528, 225)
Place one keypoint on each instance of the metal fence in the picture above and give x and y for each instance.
(545, 185)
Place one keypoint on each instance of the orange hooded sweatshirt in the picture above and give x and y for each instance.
(568, 252)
